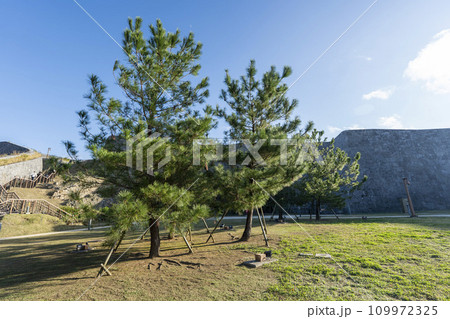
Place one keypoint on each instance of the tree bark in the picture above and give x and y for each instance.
(171, 234)
(280, 215)
(122, 235)
(155, 241)
(318, 209)
(248, 226)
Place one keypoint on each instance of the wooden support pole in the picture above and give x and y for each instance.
(187, 243)
(103, 266)
(145, 233)
(411, 207)
(217, 225)
(263, 219)
(206, 225)
(105, 269)
(262, 228)
(337, 217)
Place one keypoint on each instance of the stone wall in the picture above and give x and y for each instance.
(20, 169)
(423, 156)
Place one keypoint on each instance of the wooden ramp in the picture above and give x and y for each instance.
(11, 203)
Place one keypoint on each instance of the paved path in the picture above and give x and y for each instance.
(54, 233)
(235, 217)
(306, 217)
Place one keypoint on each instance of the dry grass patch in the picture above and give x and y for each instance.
(19, 158)
(28, 224)
(42, 191)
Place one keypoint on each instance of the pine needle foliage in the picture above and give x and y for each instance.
(332, 178)
(159, 78)
(259, 115)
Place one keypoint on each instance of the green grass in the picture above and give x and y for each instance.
(28, 224)
(383, 259)
(388, 260)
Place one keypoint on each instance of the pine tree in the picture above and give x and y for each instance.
(261, 115)
(156, 79)
(332, 178)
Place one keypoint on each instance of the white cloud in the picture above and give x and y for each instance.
(334, 129)
(390, 122)
(382, 94)
(354, 127)
(432, 64)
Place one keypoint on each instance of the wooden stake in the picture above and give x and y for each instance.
(337, 217)
(206, 225)
(262, 228)
(145, 233)
(411, 207)
(187, 243)
(103, 267)
(263, 219)
(217, 225)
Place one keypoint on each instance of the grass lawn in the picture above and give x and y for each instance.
(28, 224)
(388, 259)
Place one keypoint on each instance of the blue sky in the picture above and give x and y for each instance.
(391, 70)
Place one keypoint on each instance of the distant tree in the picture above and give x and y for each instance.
(159, 97)
(261, 115)
(88, 214)
(331, 178)
(293, 195)
(71, 150)
(75, 198)
(58, 165)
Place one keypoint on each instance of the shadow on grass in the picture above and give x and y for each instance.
(44, 259)
(41, 260)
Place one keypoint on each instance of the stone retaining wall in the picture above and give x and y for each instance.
(21, 169)
(423, 156)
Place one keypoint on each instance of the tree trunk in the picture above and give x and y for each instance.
(122, 235)
(248, 226)
(318, 209)
(273, 212)
(171, 234)
(155, 241)
(280, 215)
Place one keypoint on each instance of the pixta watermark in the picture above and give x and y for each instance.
(143, 146)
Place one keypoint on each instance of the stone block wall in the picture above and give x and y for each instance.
(21, 169)
(423, 156)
